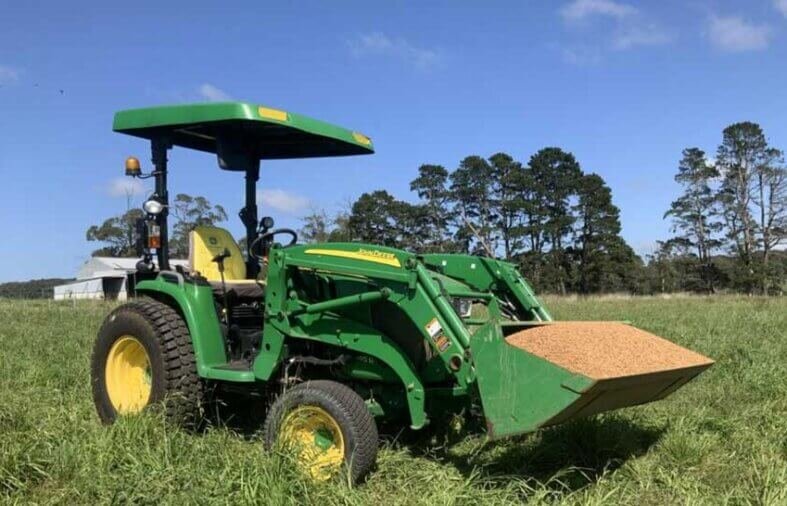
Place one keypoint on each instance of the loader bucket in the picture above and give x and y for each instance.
(535, 375)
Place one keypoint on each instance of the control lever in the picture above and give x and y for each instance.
(219, 259)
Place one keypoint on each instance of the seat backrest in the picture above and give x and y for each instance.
(205, 242)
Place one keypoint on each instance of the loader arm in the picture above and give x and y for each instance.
(518, 389)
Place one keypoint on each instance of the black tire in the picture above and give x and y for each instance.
(173, 378)
(346, 407)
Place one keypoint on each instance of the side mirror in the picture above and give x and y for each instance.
(266, 223)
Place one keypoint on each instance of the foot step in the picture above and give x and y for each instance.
(235, 365)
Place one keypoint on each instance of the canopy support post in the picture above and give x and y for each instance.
(249, 217)
(158, 148)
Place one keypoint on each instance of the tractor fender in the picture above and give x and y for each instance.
(194, 302)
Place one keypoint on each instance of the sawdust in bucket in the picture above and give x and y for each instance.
(605, 349)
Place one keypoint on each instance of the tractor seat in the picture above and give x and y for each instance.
(205, 243)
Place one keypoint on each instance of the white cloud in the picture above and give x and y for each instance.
(379, 44)
(8, 74)
(125, 187)
(579, 10)
(627, 28)
(640, 35)
(282, 200)
(214, 94)
(781, 6)
(733, 33)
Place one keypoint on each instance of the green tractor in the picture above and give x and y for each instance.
(339, 337)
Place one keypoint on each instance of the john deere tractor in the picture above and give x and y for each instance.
(339, 337)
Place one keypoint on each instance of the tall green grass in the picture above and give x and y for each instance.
(721, 439)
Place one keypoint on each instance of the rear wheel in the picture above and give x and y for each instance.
(142, 357)
(328, 428)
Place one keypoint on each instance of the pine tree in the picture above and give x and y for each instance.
(555, 175)
(473, 205)
(430, 185)
(604, 261)
(412, 225)
(371, 219)
(506, 177)
(529, 201)
(695, 215)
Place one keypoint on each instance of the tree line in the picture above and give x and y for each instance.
(32, 289)
(730, 219)
(557, 222)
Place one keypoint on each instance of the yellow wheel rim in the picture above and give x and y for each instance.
(315, 437)
(128, 375)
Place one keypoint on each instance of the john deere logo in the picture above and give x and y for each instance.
(368, 255)
(213, 241)
(376, 254)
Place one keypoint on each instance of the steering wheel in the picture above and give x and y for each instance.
(267, 238)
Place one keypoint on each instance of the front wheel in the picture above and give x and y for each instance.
(143, 356)
(327, 426)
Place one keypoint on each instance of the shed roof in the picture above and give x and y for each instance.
(96, 267)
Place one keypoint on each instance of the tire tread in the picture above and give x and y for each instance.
(364, 436)
(184, 390)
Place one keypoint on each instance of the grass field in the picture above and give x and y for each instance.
(723, 438)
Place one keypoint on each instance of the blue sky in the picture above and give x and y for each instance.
(623, 85)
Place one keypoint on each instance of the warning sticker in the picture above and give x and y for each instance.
(433, 328)
(435, 331)
(442, 343)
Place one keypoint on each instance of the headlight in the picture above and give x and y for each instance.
(462, 306)
(153, 206)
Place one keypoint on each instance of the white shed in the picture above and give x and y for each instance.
(103, 278)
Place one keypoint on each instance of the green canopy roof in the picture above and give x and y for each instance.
(264, 132)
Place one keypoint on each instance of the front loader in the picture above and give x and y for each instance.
(339, 337)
